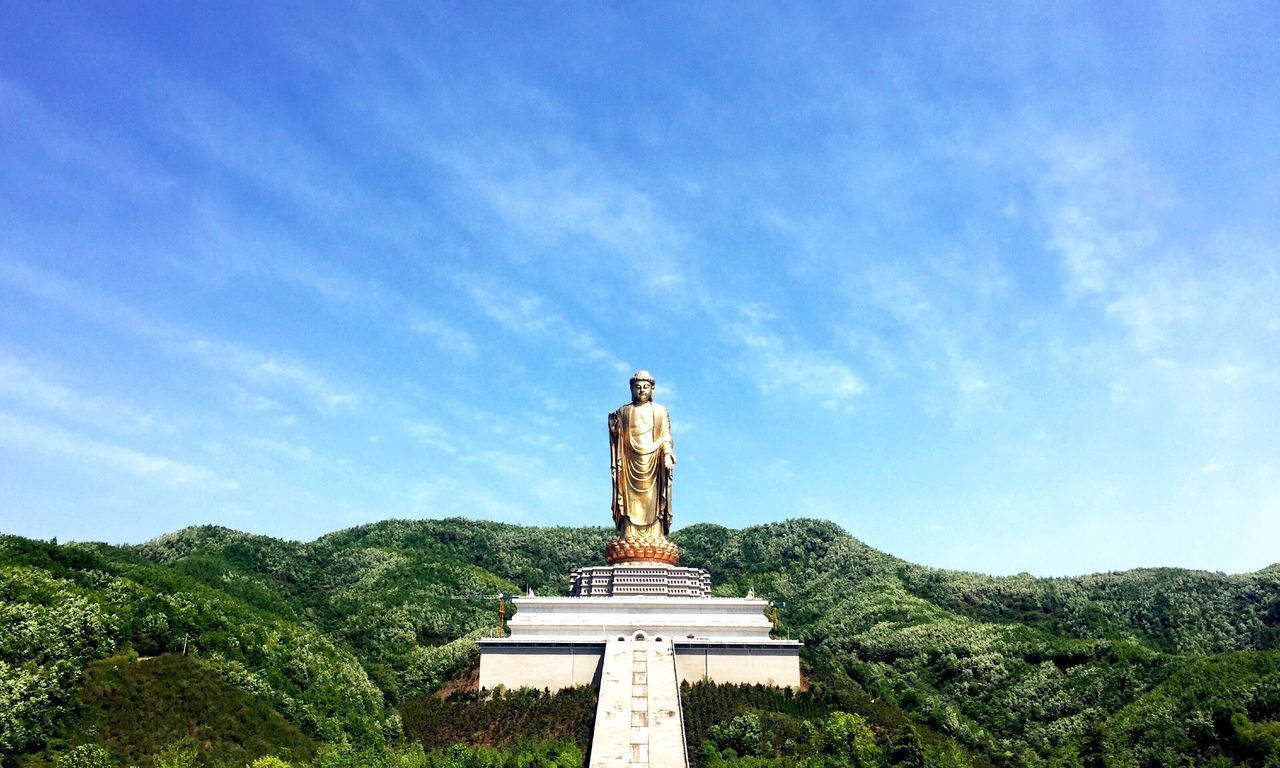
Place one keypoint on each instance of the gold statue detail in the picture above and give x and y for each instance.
(643, 460)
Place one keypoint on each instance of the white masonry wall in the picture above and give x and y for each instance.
(540, 666)
(599, 618)
(749, 664)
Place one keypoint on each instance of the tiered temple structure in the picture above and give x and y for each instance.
(637, 627)
(639, 579)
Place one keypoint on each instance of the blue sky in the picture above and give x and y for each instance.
(995, 288)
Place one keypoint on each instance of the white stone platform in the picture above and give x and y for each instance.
(558, 642)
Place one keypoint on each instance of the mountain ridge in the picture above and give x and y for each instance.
(1016, 670)
(221, 530)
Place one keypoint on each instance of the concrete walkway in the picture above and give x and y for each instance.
(638, 719)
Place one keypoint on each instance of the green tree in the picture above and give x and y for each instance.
(905, 748)
(946, 756)
(85, 756)
(180, 754)
(850, 740)
(1093, 745)
(743, 734)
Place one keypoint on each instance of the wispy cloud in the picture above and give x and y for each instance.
(566, 194)
(258, 367)
(933, 324)
(1100, 203)
(229, 246)
(267, 153)
(296, 452)
(448, 337)
(23, 384)
(497, 479)
(240, 360)
(781, 366)
(246, 248)
(935, 321)
(259, 405)
(526, 313)
(430, 434)
(19, 433)
(536, 478)
(50, 154)
(1181, 290)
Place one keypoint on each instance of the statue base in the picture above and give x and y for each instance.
(637, 551)
(639, 579)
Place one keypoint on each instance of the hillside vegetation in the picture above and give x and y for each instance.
(213, 647)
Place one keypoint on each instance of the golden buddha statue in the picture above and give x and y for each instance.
(643, 461)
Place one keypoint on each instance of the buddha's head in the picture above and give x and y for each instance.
(642, 387)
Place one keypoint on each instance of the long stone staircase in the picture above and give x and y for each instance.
(638, 719)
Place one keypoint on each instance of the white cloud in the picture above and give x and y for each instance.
(515, 310)
(22, 434)
(499, 484)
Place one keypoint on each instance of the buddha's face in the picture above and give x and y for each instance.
(641, 391)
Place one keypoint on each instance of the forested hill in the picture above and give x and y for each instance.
(334, 638)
